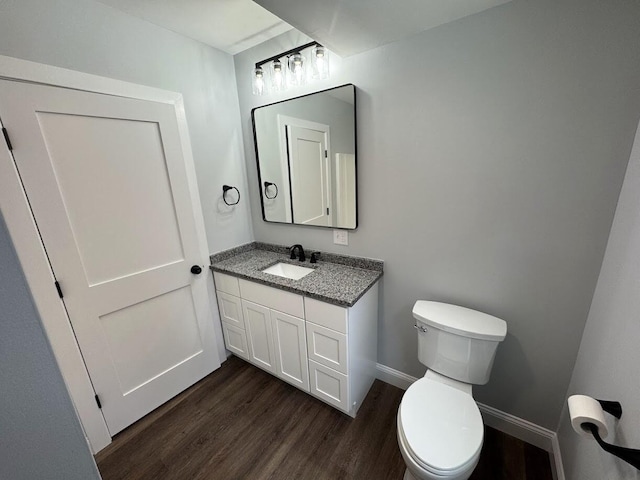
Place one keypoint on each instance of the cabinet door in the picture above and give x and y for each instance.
(257, 323)
(235, 339)
(230, 309)
(291, 349)
(327, 347)
(329, 385)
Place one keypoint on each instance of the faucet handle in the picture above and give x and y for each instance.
(314, 257)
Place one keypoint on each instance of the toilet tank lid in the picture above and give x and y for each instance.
(460, 320)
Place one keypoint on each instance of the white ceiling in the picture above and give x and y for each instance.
(344, 26)
(353, 26)
(229, 25)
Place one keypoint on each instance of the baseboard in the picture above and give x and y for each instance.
(394, 377)
(517, 427)
(504, 422)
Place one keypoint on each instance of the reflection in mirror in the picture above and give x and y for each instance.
(306, 152)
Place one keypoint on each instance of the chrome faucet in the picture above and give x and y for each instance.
(298, 247)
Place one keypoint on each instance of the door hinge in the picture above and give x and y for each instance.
(327, 210)
(6, 139)
(326, 154)
(98, 402)
(59, 289)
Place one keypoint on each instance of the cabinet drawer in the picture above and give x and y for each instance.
(329, 385)
(327, 347)
(235, 339)
(325, 314)
(230, 309)
(280, 300)
(226, 283)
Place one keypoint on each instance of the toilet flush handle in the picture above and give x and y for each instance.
(420, 328)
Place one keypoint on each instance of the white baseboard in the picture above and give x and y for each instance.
(394, 377)
(504, 422)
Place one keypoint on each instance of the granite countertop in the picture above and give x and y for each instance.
(337, 279)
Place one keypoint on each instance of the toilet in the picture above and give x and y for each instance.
(440, 430)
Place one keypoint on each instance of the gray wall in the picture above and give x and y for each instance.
(607, 364)
(90, 37)
(40, 435)
(503, 139)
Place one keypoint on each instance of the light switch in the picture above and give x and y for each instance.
(341, 237)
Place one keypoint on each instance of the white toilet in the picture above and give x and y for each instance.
(440, 430)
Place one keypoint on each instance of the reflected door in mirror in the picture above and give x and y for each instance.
(306, 153)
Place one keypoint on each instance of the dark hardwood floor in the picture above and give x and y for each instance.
(242, 423)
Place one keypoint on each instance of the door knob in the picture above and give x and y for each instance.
(196, 270)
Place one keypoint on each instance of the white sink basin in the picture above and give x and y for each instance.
(286, 270)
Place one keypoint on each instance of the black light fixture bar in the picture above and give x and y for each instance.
(287, 53)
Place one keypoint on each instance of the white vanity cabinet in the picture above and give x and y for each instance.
(324, 349)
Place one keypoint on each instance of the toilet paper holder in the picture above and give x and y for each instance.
(629, 455)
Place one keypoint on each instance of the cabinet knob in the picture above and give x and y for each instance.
(196, 270)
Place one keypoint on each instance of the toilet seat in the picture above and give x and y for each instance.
(441, 427)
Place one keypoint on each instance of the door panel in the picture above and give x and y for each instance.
(310, 174)
(90, 168)
(107, 182)
(171, 336)
(291, 349)
(259, 335)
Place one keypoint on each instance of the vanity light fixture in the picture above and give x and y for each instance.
(290, 68)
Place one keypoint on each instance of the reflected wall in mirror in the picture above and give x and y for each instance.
(306, 153)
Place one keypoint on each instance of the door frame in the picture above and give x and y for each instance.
(285, 121)
(30, 250)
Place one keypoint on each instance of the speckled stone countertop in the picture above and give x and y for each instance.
(337, 279)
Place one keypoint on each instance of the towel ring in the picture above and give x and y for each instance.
(225, 189)
(267, 185)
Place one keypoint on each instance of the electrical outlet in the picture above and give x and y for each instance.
(341, 237)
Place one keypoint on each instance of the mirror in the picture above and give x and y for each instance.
(306, 154)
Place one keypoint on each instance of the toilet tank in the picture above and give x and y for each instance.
(457, 342)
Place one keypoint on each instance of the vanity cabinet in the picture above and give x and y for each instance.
(324, 349)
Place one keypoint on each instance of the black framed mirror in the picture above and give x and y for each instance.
(307, 159)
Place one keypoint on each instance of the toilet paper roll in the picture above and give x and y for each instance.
(584, 409)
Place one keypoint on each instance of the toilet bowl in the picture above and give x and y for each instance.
(439, 426)
(440, 431)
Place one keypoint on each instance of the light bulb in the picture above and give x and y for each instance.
(319, 62)
(277, 76)
(297, 71)
(257, 76)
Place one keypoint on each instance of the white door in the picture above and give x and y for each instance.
(290, 346)
(259, 336)
(107, 181)
(310, 173)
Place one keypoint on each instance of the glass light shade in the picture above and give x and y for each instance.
(278, 72)
(319, 62)
(258, 81)
(297, 71)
